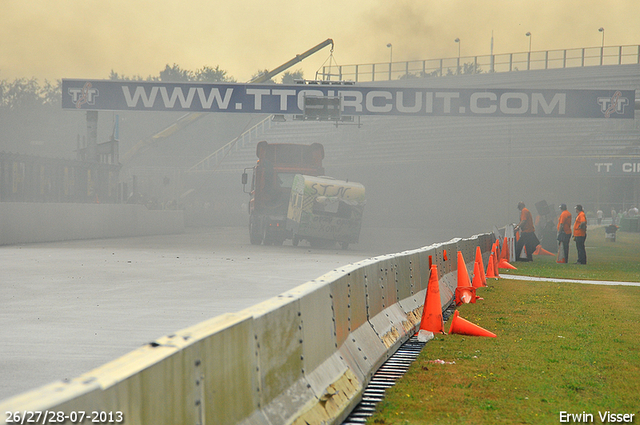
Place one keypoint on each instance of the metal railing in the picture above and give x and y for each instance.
(212, 161)
(506, 62)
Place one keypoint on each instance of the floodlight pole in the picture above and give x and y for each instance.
(390, 46)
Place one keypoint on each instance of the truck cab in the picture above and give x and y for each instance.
(271, 182)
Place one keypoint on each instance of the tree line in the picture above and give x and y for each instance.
(29, 93)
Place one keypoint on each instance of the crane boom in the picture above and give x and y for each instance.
(289, 64)
(189, 118)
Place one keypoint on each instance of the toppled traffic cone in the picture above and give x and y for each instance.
(483, 277)
(504, 264)
(432, 321)
(465, 295)
(541, 251)
(491, 273)
(464, 327)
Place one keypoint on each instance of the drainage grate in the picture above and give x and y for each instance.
(384, 378)
(388, 374)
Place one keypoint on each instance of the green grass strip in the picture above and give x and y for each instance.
(561, 347)
(615, 261)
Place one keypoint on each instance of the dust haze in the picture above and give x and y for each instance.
(438, 176)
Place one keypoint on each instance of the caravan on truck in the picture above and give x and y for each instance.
(323, 211)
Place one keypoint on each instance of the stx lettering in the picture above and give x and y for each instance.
(329, 190)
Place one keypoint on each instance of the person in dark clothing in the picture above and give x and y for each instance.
(580, 234)
(564, 233)
(528, 238)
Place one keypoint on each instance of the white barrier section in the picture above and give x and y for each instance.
(303, 357)
(28, 222)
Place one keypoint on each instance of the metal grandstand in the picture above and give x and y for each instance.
(394, 139)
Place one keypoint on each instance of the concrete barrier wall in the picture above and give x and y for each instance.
(302, 357)
(25, 222)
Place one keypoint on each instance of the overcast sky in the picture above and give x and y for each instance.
(54, 39)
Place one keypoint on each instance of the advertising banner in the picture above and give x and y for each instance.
(354, 99)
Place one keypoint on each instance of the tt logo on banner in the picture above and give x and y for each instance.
(86, 94)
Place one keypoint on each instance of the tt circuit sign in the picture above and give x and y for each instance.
(618, 167)
(354, 100)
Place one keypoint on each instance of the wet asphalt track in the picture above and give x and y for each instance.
(68, 307)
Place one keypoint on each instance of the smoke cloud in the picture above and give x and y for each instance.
(89, 38)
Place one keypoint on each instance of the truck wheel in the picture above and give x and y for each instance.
(296, 240)
(266, 237)
(254, 234)
(345, 245)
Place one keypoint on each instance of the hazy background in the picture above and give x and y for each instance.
(88, 38)
(426, 173)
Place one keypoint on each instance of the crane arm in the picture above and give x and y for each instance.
(289, 64)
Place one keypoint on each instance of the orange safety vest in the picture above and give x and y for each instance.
(527, 226)
(577, 231)
(564, 222)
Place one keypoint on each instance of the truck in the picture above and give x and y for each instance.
(324, 211)
(290, 198)
(271, 182)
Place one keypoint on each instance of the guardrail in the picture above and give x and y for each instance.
(303, 357)
(506, 62)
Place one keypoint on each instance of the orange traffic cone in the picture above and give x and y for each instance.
(477, 276)
(495, 263)
(463, 273)
(432, 311)
(494, 258)
(464, 327)
(541, 251)
(504, 264)
(483, 277)
(504, 253)
(491, 273)
(477, 280)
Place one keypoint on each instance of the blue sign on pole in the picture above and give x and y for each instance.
(355, 100)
